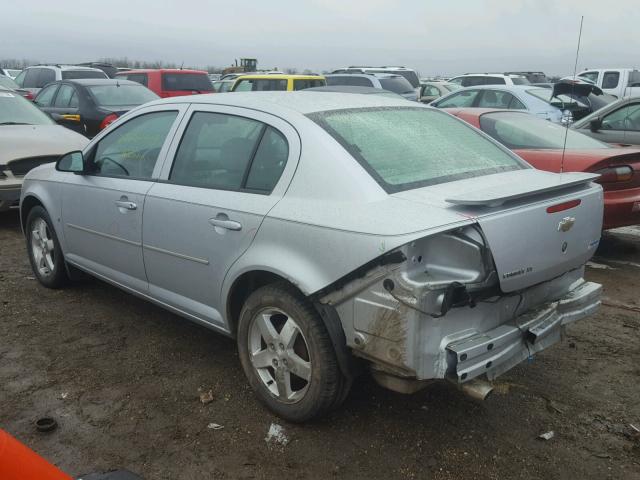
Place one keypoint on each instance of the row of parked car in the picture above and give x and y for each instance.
(451, 257)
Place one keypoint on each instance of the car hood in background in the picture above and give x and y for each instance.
(24, 141)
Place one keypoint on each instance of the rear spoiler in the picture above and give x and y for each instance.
(533, 182)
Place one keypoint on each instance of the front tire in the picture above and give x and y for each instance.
(287, 354)
(44, 249)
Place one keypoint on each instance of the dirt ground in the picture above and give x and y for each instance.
(123, 379)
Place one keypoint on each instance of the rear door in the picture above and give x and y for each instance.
(102, 210)
(65, 109)
(224, 172)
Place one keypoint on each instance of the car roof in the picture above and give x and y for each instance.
(161, 70)
(510, 75)
(282, 76)
(88, 82)
(351, 89)
(515, 88)
(290, 102)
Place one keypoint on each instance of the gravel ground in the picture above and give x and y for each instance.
(123, 378)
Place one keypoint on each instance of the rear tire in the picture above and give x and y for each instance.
(44, 249)
(287, 354)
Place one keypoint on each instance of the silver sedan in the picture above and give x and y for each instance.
(329, 234)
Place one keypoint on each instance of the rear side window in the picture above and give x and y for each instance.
(495, 99)
(260, 85)
(610, 79)
(63, 98)
(302, 84)
(76, 74)
(31, 78)
(459, 100)
(46, 76)
(494, 81)
(350, 80)
(472, 81)
(229, 152)
(132, 149)
(520, 81)
(141, 78)
(193, 82)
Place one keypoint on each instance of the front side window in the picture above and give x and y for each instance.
(132, 149)
(625, 118)
(63, 99)
(430, 91)
(45, 96)
(524, 131)
(610, 79)
(406, 147)
(302, 84)
(461, 99)
(229, 152)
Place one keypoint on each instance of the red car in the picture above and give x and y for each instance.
(167, 82)
(541, 142)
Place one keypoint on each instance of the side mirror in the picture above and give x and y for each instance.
(71, 162)
(595, 124)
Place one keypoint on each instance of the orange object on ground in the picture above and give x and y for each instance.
(18, 462)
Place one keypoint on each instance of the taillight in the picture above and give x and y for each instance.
(29, 96)
(561, 207)
(623, 173)
(108, 120)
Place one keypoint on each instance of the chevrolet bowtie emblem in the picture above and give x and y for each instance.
(566, 223)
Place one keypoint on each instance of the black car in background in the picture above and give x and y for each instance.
(90, 105)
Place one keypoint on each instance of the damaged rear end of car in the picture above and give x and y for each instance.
(469, 303)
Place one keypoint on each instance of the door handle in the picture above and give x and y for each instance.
(222, 220)
(126, 204)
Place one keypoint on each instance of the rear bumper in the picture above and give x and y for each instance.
(621, 208)
(494, 352)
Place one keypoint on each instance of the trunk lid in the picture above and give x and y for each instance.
(538, 224)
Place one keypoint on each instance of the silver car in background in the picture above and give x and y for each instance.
(329, 233)
(534, 100)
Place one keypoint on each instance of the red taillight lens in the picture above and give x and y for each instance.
(108, 120)
(29, 96)
(560, 207)
(623, 173)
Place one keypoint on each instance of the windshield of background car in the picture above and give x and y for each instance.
(7, 82)
(76, 74)
(16, 110)
(396, 85)
(186, 81)
(405, 147)
(121, 95)
(524, 131)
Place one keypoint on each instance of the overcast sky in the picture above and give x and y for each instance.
(434, 37)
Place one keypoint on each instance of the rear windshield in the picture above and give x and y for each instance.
(260, 85)
(198, 82)
(407, 147)
(396, 85)
(16, 110)
(521, 130)
(76, 74)
(409, 75)
(121, 95)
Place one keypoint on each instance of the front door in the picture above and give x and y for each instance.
(102, 210)
(226, 174)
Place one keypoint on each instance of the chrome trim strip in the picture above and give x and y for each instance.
(105, 235)
(202, 261)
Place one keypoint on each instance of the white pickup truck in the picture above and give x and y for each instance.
(619, 82)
